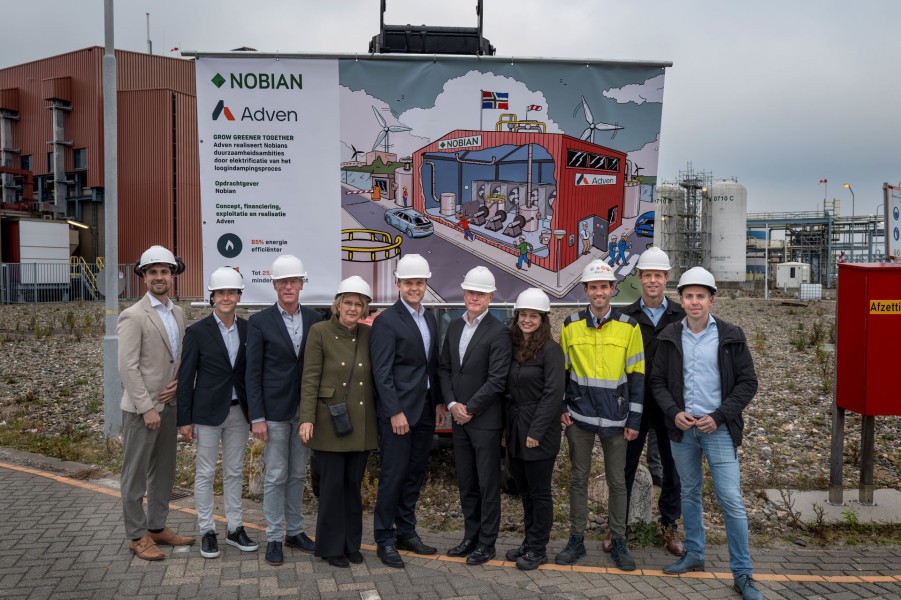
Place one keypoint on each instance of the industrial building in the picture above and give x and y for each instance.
(51, 167)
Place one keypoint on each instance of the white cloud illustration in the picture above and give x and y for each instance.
(639, 93)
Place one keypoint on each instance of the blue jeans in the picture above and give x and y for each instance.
(722, 458)
(286, 461)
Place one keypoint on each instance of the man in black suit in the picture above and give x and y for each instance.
(473, 367)
(404, 352)
(275, 343)
(212, 408)
(654, 312)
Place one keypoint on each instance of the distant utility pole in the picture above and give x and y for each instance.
(149, 43)
(112, 388)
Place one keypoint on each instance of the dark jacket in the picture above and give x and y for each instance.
(479, 380)
(738, 380)
(206, 376)
(273, 369)
(406, 380)
(649, 333)
(327, 364)
(534, 401)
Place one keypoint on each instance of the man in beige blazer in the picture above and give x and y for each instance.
(150, 334)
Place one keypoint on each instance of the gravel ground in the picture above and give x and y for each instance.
(51, 384)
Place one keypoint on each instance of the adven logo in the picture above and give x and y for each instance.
(222, 109)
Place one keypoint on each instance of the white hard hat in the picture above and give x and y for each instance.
(653, 259)
(288, 265)
(157, 255)
(479, 279)
(355, 285)
(226, 278)
(412, 266)
(697, 276)
(598, 270)
(533, 299)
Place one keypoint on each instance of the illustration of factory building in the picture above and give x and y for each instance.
(510, 186)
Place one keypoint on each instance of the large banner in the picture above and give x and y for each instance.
(532, 169)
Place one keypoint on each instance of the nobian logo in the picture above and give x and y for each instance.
(260, 81)
(222, 109)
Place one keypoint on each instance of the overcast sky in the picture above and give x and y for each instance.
(778, 94)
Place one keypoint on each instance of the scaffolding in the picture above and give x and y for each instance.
(692, 238)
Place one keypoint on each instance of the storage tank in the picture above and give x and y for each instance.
(669, 203)
(726, 216)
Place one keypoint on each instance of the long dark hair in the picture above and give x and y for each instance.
(525, 350)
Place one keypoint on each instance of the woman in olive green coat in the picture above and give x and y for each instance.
(337, 370)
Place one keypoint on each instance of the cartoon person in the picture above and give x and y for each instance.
(524, 248)
(611, 248)
(621, 247)
(404, 195)
(464, 225)
(585, 236)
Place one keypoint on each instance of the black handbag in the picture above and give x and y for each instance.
(340, 419)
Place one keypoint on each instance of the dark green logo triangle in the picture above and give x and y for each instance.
(218, 80)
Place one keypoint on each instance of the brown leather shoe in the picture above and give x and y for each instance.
(167, 537)
(607, 543)
(146, 549)
(674, 544)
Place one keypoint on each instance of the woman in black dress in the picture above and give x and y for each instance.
(534, 400)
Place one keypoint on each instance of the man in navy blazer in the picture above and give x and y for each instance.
(275, 342)
(212, 408)
(404, 352)
(473, 368)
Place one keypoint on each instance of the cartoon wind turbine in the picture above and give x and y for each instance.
(386, 129)
(588, 134)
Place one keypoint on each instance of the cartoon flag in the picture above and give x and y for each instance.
(534, 107)
(495, 100)
(174, 49)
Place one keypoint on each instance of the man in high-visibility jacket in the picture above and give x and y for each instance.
(604, 398)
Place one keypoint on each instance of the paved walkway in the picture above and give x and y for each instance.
(61, 538)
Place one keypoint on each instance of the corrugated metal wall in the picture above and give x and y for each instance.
(84, 125)
(187, 181)
(159, 179)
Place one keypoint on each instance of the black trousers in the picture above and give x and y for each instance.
(477, 453)
(339, 525)
(533, 479)
(404, 459)
(670, 503)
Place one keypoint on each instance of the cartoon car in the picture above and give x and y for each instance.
(409, 221)
(644, 225)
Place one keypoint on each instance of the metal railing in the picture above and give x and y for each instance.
(74, 280)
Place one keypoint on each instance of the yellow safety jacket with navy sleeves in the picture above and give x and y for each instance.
(605, 372)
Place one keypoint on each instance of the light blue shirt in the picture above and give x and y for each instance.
(232, 342)
(700, 369)
(469, 329)
(419, 319)
(654, 314)
(169, 322)
(294, 324)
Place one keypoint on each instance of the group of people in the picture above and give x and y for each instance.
(341, 389)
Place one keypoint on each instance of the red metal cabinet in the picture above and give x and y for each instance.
(868, 334)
